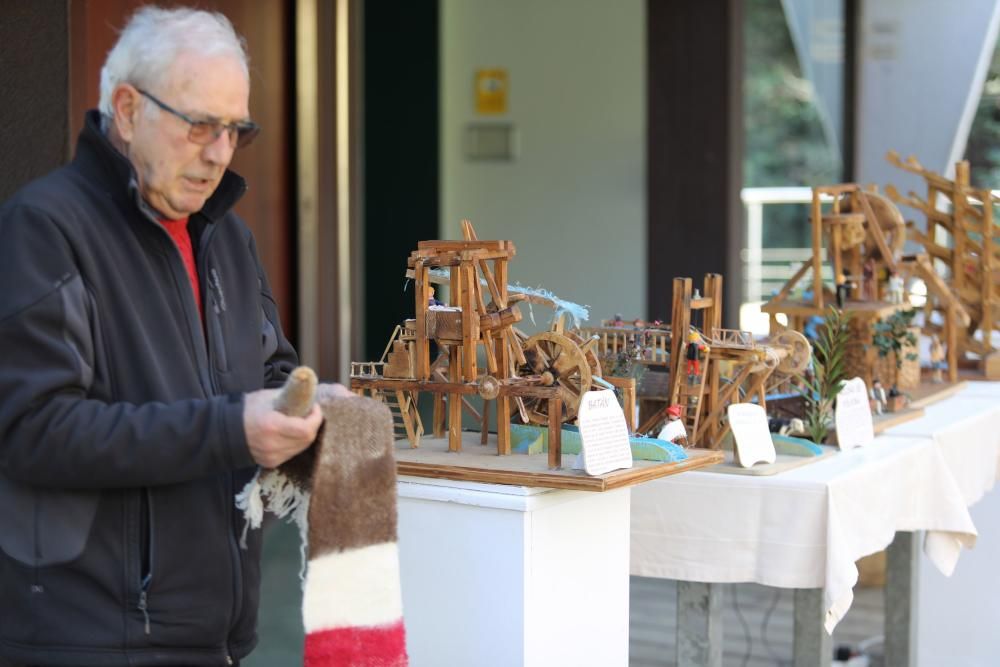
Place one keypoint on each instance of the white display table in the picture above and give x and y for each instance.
(806, 527)
(504, 576)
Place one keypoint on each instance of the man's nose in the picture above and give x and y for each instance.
(220, 151)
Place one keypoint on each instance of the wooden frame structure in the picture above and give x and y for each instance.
(734, 366)
(962, 237)
(543, 376)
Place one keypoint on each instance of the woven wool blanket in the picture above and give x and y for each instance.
(342, 493)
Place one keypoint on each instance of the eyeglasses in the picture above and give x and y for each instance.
(204, 132)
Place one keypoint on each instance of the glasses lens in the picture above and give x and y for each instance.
(204, 132)
(245, 134)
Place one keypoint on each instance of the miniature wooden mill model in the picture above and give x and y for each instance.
(962, 236)
(733, 366)
(543, 377)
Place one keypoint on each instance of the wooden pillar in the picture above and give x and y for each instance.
(680, 320)
(455, 368)
(817, 248)
(694, 145)
(503, 365)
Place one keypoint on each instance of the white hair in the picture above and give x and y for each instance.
(154, 37)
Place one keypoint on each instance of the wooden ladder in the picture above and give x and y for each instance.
(406, 421)
(690, 397)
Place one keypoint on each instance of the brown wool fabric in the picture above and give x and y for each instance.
(353, 501)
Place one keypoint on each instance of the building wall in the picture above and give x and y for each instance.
(921, 69)
(573, 198)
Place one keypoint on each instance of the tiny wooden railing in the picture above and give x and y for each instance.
(732, 338)
(367, 369)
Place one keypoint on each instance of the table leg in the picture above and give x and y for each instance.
(813, 647)
(699, 624)
(901, 572)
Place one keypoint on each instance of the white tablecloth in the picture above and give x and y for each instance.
(806, 527)
(966, 429)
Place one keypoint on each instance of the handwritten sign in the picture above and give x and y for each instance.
(603, 434)
(853, 416)
(753, 439)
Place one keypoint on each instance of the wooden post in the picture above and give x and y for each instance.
(470, 322)
(987, 261)
(503, 364)
(680, 322)
(713, 320)
(485, 433)
(439, 415)
(420, 343)
(958, 236)
(817, 244)
(951, 341)
(455, 369)
(555, 433)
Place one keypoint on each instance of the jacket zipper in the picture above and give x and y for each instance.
(146, 566)
(234, 549)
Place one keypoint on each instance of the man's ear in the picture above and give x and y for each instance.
(125, 102)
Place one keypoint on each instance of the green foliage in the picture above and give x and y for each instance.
(892, 333)
(784, 139)
(983, 147)
(828, 373)
(785, 144)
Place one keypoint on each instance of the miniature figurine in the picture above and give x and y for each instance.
(618, 321)
(937, 359)
(896, 400)
(674, 431)
(869, 290)
(895, 288)
(694, 349)
(844, 286)
(432, 300)
(878, 397)
(638, 323)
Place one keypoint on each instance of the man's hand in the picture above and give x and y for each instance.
(273, 437)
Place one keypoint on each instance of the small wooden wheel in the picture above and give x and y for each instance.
(889, 220)
(489, 387)
(560, 355)
(799, 351)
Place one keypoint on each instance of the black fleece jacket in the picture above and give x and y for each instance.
(121, 432)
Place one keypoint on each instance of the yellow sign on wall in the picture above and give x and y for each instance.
(491, 91)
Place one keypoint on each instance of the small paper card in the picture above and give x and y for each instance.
(603, 434)
(853, 415)
(753, 439)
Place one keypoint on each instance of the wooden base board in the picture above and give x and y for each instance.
(781, 464)
(480, 463)
(929, 392)
(889, 419)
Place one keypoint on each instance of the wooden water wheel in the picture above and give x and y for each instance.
(564, 360)
(888, 218)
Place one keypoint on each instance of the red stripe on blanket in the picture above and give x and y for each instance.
(383, 646)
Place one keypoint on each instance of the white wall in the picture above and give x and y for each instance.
(573, 200)
(957, 621)
(922, 64)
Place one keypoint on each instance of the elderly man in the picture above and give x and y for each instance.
(138, 332)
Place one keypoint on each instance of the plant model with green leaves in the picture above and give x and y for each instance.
(826, 379)
(893, 333)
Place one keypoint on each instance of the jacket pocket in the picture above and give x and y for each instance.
(217, 341)
(42, 527)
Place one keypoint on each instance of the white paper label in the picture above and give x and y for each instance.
(603, 434)
(853, 415)
(753, 439)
